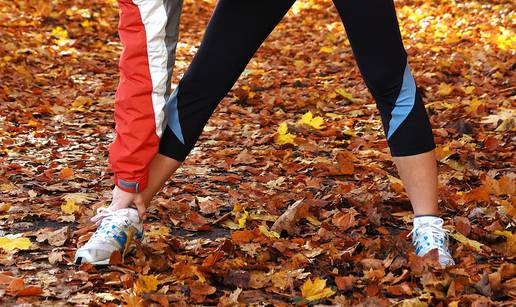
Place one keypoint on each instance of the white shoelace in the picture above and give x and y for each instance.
(110, 218)
(437, 236)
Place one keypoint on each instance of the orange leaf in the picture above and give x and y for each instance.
(16, 285)
(30, 291)
(242, 236)
(65, 173)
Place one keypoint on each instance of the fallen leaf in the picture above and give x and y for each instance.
(145, 284)
(65, 173)
(10, 243)
(309, 119)
(345, 219)
(316, 290)
(283, 136)
(288, 219)
(69, 207)
(477, 246)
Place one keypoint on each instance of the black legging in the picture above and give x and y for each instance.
(238, 28)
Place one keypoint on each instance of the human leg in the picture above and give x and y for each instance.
(374, 35)
(148, 30)
(375, 38)
(234, 33)
(236, 30)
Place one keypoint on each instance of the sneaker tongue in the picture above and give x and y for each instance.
(130, 213)
(427, 219)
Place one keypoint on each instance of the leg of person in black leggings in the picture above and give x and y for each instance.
(235, 32)
(374, 35)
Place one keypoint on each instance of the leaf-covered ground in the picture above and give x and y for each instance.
(299, 130)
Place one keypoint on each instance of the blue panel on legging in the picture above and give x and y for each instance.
(404, 103)
(173, 116)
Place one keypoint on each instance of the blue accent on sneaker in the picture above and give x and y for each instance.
(121, 238)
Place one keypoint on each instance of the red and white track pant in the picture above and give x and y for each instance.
(148, 30)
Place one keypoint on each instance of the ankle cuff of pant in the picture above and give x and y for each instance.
(135, 186)
(412, 151)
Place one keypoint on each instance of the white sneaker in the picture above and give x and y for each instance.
(112, 234)
(429, 234)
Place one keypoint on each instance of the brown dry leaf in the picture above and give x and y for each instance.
(55, 257)
(131, 300)
(289, 218)
(230, 300)
(345, 219)
(55, 238)
(208, 205)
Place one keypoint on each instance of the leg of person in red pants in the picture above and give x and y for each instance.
(149, 32)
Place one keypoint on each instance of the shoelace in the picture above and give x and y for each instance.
(108, 218)
(433, 230)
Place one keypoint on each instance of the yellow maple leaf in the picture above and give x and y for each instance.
(445, 89)
(10, 243)
(283, 136)
(327, 49)
(130, 239)
(242, 220)
(86, 24)
(505, 39)
(7, 187)
(468, 242)
(157, 231)
(315, 290)
(59, 32)
(345, 94)
(145, 284)
(309, 119)
(268, 233)
(69, 207)
(468, 89)
(79, 198)
(413, 302)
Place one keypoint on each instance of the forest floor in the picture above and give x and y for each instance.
(299, 126)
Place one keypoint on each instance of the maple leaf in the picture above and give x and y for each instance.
(131, 300)
(59, 32)
(145, 284)
(283, 136)
(345, 94)
(79, 198)
(69, 207)
(505, 117)
(445, 89)
(270, 234)
(65, 173)
(309, 119)
(11, 242)
(506, 39)
(468, 242)
(157, 231)
(327, 49)
(413, 302)
(316, 290)
(243, 219)
(4, 207)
